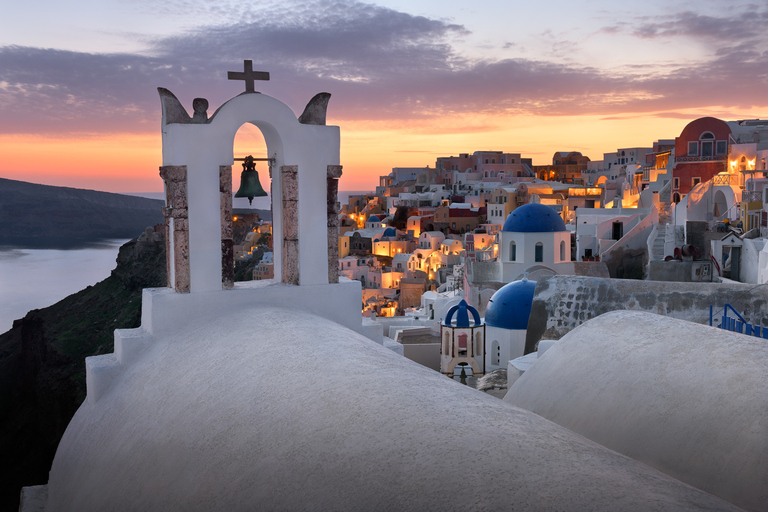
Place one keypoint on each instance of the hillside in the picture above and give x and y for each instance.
(42, 367)
(42, 216)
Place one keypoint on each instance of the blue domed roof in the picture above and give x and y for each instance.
(389, 232)
(462, 310)
(510, 306)
(534, 218)
(374, 218)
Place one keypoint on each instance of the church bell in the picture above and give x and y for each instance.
(250, 186)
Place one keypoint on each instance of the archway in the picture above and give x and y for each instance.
(197, 158)
(251, 218)
(720, 206)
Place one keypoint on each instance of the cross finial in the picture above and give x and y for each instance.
(249, 75)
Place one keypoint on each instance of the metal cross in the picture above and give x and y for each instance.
(249, 75)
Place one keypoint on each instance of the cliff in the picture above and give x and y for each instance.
(42, 368)
(42, 216)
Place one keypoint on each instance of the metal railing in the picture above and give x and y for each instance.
(699, 158)
(738, 324)
(725, 179)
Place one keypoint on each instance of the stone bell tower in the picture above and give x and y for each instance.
(197, 172)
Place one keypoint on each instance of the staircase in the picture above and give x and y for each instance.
(657, 250)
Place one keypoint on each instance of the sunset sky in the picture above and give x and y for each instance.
(410, 80)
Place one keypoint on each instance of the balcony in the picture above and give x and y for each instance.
(699, 158)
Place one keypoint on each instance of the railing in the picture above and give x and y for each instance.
(752, 196)
(725, 179)
(698, 158)
(737, 324)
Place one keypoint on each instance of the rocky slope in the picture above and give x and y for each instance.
(42, 216)
(42, 368)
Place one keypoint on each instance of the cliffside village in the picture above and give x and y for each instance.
(482, 263)
(684, 209)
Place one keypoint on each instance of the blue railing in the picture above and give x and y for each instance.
(737, 324)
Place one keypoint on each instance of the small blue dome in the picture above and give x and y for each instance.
(510, 306)
(374, 218)
(534, 218)
(389, 232)
(462, 310)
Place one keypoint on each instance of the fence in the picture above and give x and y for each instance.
(737, 324)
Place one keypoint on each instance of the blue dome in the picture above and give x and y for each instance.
(510, 306)
(534, 218)
(374, 218)
(389, 232)
(462, 310)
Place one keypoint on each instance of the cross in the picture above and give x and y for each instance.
(248, 74)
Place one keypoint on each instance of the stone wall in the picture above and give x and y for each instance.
(561, 303)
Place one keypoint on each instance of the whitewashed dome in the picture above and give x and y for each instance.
(687, 399)
(277, 409)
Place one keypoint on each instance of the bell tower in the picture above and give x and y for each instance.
(197, 172)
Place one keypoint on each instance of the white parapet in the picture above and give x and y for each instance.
(100, 371)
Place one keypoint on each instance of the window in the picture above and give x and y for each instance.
(462, 344)
(676, 183)
(693, 148)
(695, 181)
(478, 344)
(722, 147)
(562, 250)
(539, 252)
(707, 148)
(707, 136)
(512, 251)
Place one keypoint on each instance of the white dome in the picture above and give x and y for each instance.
(687, 399)
(276, 409)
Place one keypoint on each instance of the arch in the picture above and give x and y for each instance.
(446, 343)
(707, 136)
(539, 252)
(720, 206)
(461, 344)
(512, 251)
(676, 197)
(207, 147)
(562, 250)
(601, 180)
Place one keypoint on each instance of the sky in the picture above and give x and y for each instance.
(410, 80)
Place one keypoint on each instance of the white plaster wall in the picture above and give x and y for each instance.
(750, 260)
(205, 147)
(687, 399)
(511, 345)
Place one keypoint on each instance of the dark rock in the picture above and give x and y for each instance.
(42, 361)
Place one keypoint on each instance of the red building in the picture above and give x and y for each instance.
(701, 151)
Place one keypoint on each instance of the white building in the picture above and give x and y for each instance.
(506, 323)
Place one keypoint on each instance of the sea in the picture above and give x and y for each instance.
(37, 278)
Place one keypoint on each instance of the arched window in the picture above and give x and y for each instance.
(707, 144)
(562, 250)
(462, 344)
(539, 252)
(446, 343)
(512, 251)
